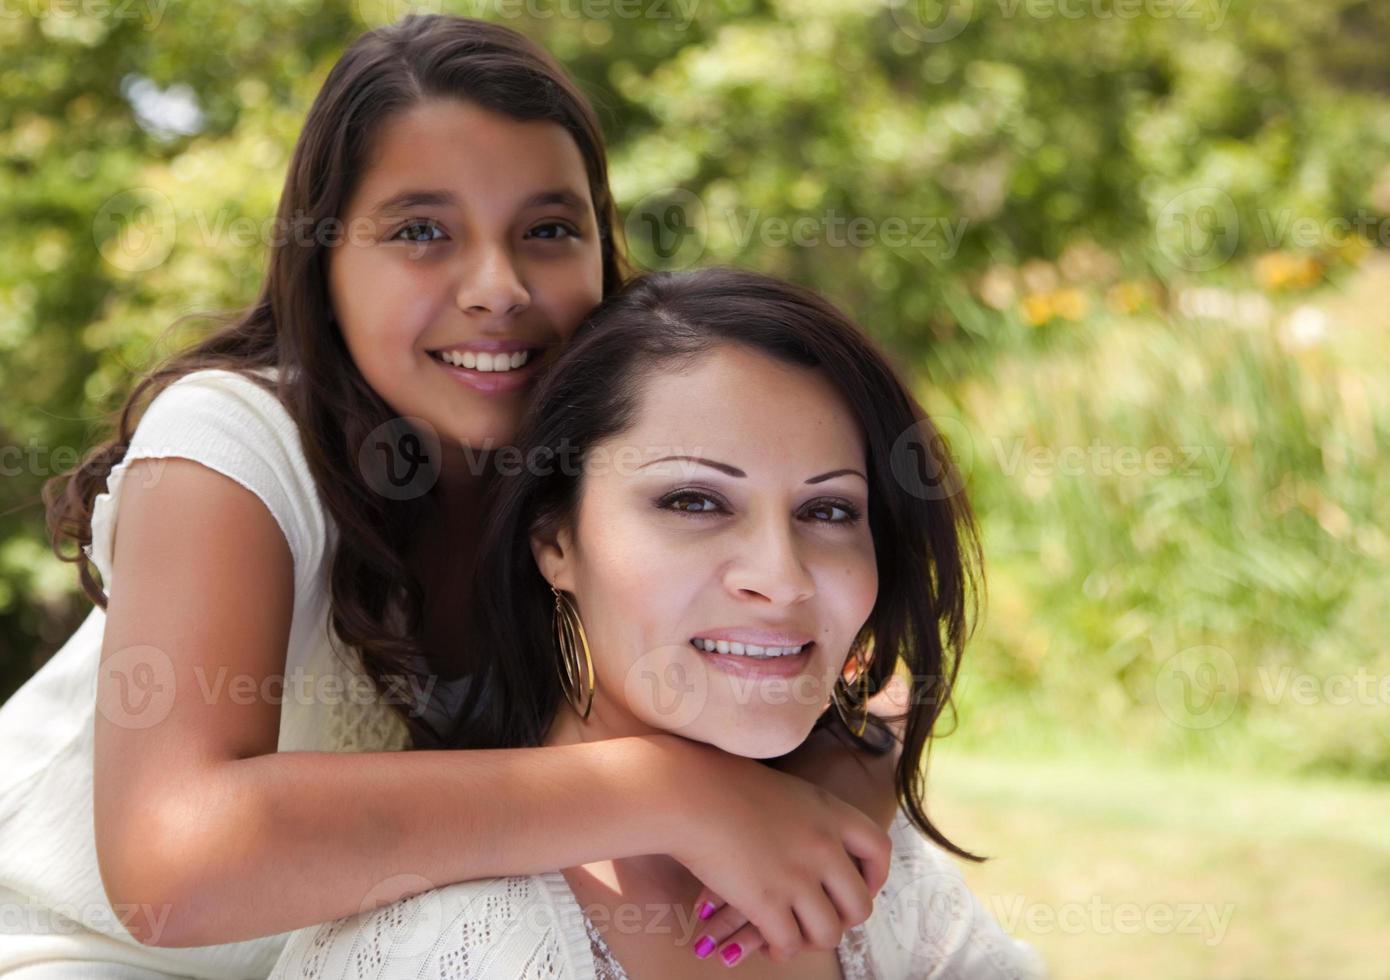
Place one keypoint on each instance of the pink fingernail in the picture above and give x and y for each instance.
(706, 911)
(731, 953)
(704, 947)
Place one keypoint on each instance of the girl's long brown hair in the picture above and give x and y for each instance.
(926, 544)
(376, 601)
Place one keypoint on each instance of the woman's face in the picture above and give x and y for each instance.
(766, 544)
(496, 253)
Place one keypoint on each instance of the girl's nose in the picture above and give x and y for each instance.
(491, 285)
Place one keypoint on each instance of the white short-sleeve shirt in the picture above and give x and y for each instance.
(50, 888)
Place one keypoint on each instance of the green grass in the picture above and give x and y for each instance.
(1254, 844)
(1268, 545)
(1239, 876)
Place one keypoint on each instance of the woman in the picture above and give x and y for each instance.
(715, 542)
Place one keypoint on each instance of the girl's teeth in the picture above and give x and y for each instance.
(501, 361)
(745, 649)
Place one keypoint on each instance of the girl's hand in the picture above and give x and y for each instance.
(857, 777)
(804, 864)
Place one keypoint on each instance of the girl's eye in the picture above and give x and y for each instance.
(551, 231)
(427, 225)
(677, 501)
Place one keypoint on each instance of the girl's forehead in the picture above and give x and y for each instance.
(471, 152)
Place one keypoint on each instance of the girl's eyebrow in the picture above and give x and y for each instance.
(408, 200)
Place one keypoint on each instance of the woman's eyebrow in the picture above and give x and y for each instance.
(734, 471)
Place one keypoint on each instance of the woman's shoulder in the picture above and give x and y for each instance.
(513, 927)
(927, 922)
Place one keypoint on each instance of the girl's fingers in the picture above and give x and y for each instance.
(820, 921)
(781, 936)
(872, 849)
(851, 896)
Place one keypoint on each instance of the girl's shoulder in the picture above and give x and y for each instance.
(255, 386)
(233, 423)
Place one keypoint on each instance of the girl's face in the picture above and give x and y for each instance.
(767, 543)
(470, 239)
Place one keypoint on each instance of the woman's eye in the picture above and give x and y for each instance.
(675, 501)
(829, 507)
(414, 226)
(825, 512)
(552, 230)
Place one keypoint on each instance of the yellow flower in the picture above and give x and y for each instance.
(1127, 297)
(1070, 304)
(1278, 270)
(1037, 309)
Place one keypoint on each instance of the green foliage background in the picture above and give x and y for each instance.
(1129, 273)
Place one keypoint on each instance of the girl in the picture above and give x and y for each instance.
(755, 547)
(213, 758)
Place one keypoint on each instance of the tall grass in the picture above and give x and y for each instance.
(1186, 532)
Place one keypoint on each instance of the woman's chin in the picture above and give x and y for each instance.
(765, 742)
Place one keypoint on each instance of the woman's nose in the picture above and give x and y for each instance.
(770, 566)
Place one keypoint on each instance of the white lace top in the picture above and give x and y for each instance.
(925, 923)
(49, 879)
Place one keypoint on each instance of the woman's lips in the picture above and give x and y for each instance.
(790, 665)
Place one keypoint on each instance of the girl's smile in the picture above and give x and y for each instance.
(482, 260)
(503, 365)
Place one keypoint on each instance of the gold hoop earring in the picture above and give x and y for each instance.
(569, 639)
(855, 717)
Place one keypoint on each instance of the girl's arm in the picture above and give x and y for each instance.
(860, 778)
(206, 835)
(852, 774)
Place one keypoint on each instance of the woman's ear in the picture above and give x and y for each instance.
(553, 550)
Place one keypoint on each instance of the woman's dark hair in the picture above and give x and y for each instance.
(925, 539)
(376, 602)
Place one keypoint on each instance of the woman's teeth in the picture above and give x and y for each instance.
(745, 649)
(501, 361)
